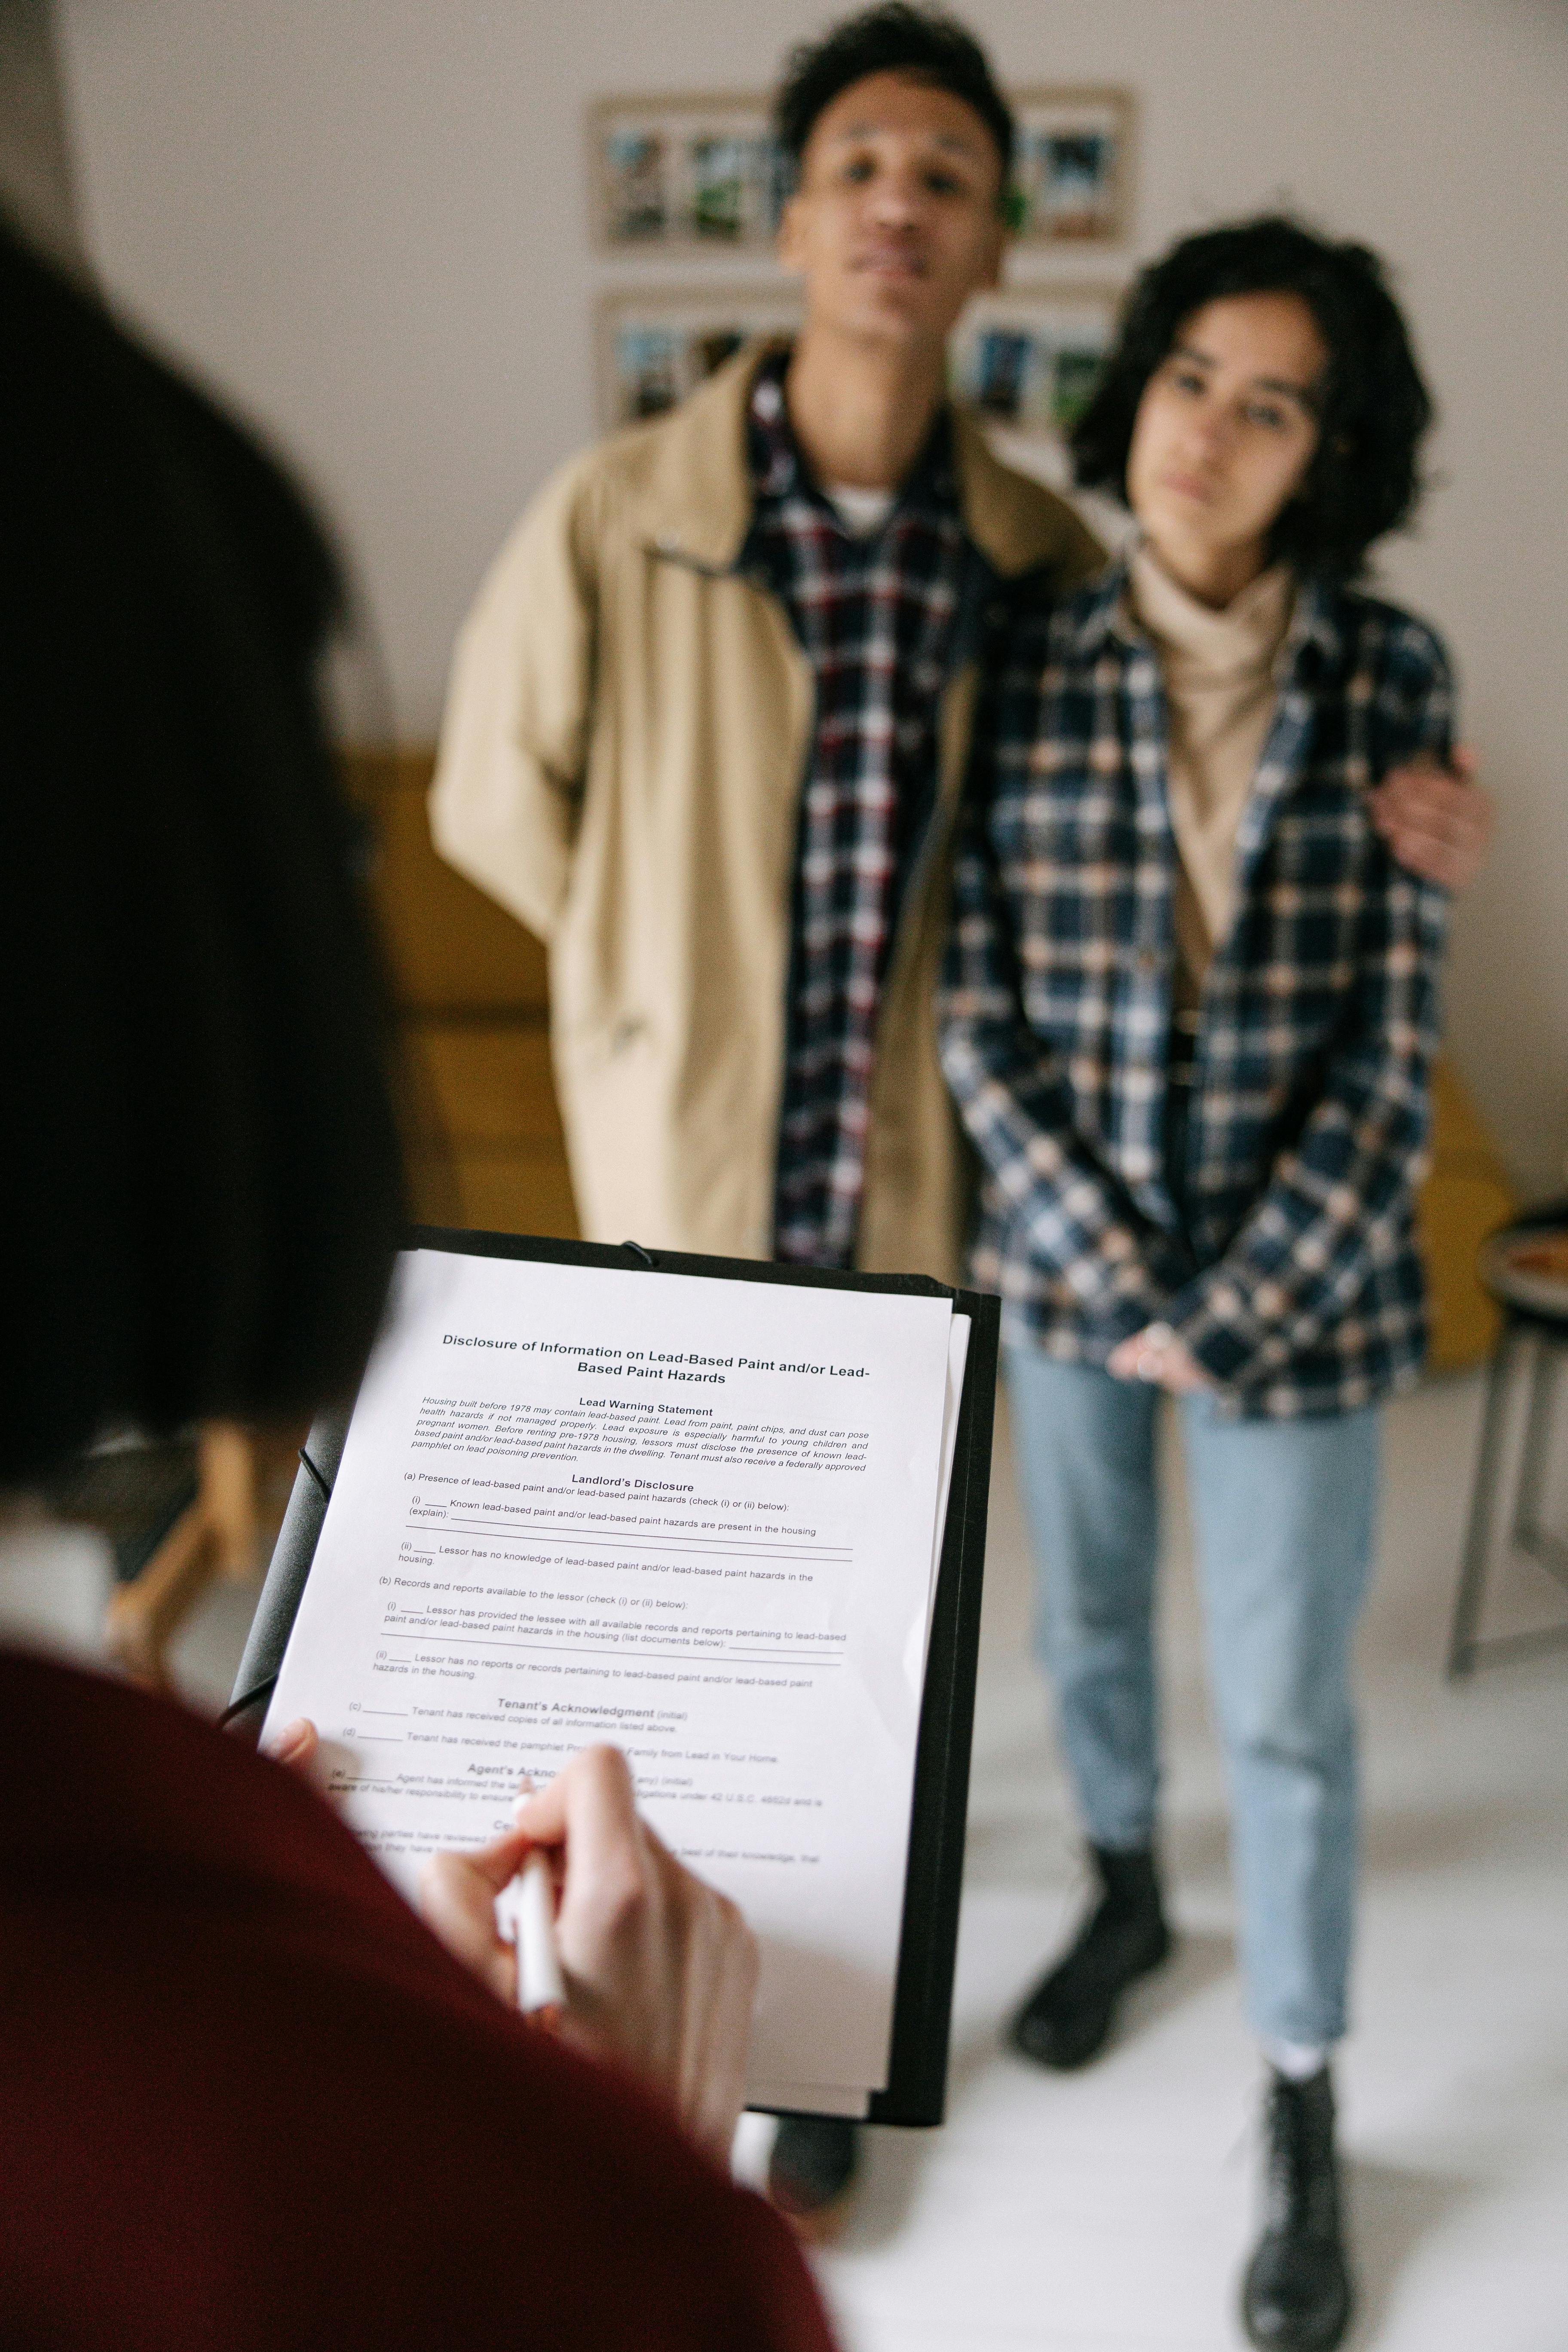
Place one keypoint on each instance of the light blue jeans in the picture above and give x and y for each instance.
(1283, 1515)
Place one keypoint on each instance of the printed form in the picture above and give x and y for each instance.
(694, 1517)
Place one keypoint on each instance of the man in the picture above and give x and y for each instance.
(710, 719)
(709, 716)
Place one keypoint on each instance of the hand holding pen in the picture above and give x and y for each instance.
(657, 1970)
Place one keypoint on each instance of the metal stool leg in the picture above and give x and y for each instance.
(1478, 1541)
(1530, 1535)
(1532, 1462)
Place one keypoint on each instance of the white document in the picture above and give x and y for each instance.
(957, 1357)
(693, 1517)
(834, 2099)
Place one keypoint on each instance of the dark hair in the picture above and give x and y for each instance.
(925, 44)
(1375, 409)
(200, 1190)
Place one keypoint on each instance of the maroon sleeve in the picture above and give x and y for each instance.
(247, 2100)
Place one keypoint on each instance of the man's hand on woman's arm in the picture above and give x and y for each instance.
(1437, 820)
(660, 1968)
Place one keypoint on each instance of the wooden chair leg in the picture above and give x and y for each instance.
(226, 1461)
(216, 1536)
(143, 1616)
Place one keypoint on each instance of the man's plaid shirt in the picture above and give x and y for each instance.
(879, 619)
(1294, 1280)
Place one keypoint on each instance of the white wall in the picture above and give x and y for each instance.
(366, 220)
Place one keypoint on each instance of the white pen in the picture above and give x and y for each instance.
(539, 1990)
(525, 1914)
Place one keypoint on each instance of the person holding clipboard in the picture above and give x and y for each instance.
(246, 2098)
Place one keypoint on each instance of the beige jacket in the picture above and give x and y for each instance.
(621, 764)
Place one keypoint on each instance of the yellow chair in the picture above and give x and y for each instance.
(473, 1002)
(1465, 1197)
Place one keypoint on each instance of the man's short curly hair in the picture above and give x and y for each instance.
(1372, 410)
(926, 44)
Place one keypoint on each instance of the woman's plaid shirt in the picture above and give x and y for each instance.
(1291, 1271)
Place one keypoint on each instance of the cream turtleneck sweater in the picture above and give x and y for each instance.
(1221, 684)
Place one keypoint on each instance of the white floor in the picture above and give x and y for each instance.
(1108, 2212)
(1111, 2209)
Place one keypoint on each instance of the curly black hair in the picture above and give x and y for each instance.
(1374, 407)
(926, 44)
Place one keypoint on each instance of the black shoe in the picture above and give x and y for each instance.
(811, 2172)
(1296, 2296)
(1064, 2022)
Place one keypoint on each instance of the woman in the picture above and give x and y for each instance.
(1190, 1013)
(246, 2098)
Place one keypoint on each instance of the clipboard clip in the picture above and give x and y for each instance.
(647, 1256)
(309, 1466)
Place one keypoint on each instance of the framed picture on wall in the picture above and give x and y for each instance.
(684, 175)
(1027, 358)
(690, 174)
(1072, 174)
(657, 344)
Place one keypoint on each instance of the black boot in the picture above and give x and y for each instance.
(811, 2172)
(1296, 2297)
(1066, 2017)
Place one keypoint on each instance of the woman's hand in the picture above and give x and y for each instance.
(298, 1746)
(1437, 821)
(660, 1968)
(1156, 1354)
(295, 1745)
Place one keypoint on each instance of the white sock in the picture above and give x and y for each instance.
(1297, 2060)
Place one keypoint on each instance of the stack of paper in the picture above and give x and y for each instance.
(699, 1517)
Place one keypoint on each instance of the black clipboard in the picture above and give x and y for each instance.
(928, 1946)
